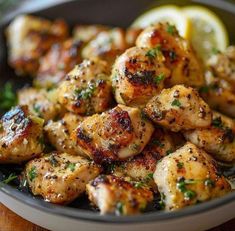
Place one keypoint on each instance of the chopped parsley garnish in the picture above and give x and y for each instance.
(32, 173)
(161, 202)
(209, 182)
(71, 166)
(217, 122)
(168, 152)
(171, 29)
(180, 165)
(159, 78)
(37, 108)
(189, 194)
(157, 143)
(172, 55)
(119, 208)
(9, 179)
(8, 97)
(150, 176)
(215, 51)
(176, 103)
(136, 147)
(181, 185)
(41, 140)
(139, 184)
(85, 93)
(154, 52)
(204, 89)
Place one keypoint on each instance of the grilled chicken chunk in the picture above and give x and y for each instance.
(117, 134)
(40, 103)
(218, 139)
(187, 177)
(58, 133)
(222, 65)
(20, 136)
(179, 108)
(87, 88)
(29, 38)
(60, 59)
(137, 76)
(86, 33)
(114, 195)
(107, 45)
(59, 177)
(180, 57)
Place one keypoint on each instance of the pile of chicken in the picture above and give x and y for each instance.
(125, 113)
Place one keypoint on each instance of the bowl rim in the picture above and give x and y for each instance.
(81, 214)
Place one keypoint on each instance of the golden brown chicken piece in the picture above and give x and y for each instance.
(87, 88)
(60, 59)
(222, 65)
(218, 139)
(187, 177)
(114, 195)
(107, 45)
(180, 57)
(59, 177)
(137, 77)
(141, 167)
(58, 133)
(40, 103)
(21, 137)
(86, 33)
(29, 38)
(116, 134)
(179, 108)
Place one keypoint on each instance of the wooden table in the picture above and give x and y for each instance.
(9, 221)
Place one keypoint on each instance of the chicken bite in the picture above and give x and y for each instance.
(87, 88)
(189, 176)
(137, 76)
(59, 60)
(30, 37)
(114, 195)
(107, 45)
(59, 177)
(40, 103)
(59, 132)
(114, 135)
(180, 57)
(20, 136)
(179, 108)
(218, 139)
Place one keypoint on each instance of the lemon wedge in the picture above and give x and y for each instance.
(166, 13)
(208, 33)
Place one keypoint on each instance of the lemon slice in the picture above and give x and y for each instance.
(208, 32)
(167, 13)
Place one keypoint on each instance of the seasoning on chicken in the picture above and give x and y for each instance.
(59, 177)
(180, 57)
(187, 177)
(114, 195)
(107, 45)
(20, 136)
(87, 88)
(137, 76)
(117, 134)
(60, 59)
(30, 37)
(40, 103)
(179, 108)
(58, 133)
(218, 139)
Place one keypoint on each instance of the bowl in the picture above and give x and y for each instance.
(79, 215)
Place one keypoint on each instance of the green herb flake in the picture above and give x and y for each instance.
(169, 151)
(176, 103)
(154, 52)
(217, 122)
(181, 185)
(209, 183)
(119, 208)
(139, 184)
(9, 179)
(85, 93)
(150, 176)
(204, 89)
(172, 55)
(159, 78)
(37, 109)
(157, 143)
(215, 51)
(189, 194)
(136, 147)
(180, 165)
(8, 97)
(171, 29)
(71, 166)
(32, 173)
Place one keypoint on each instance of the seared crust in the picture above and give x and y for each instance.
(59, 177)
(187, 177)
(20, 136)
(114, 195)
